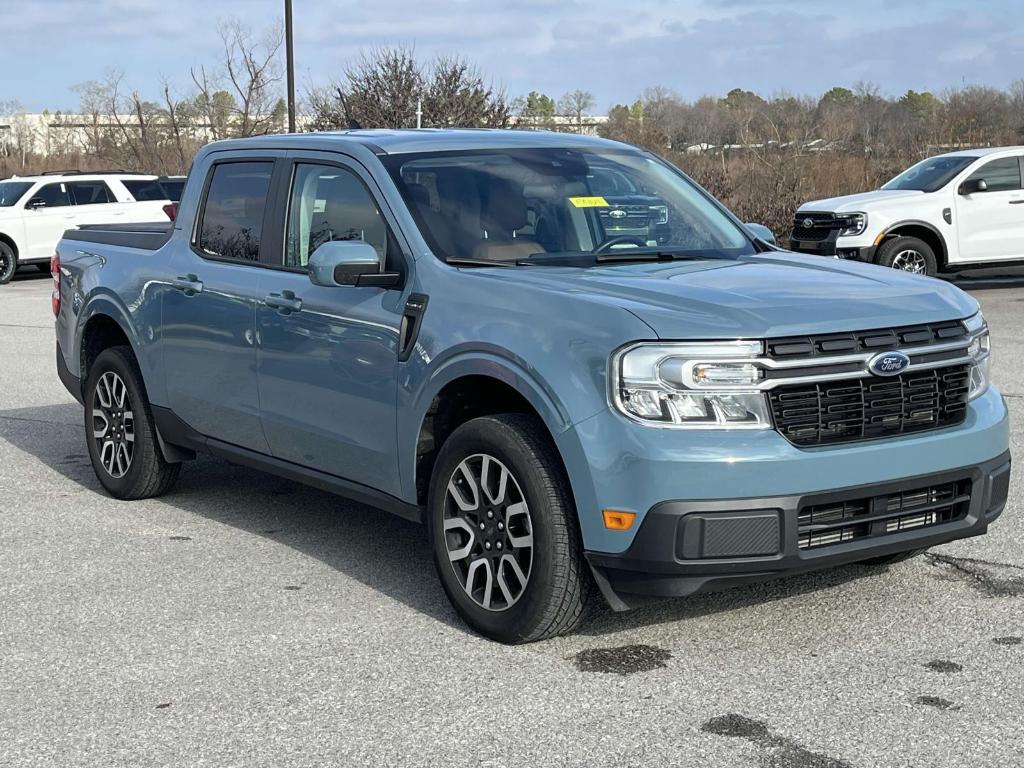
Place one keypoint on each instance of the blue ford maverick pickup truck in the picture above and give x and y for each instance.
(448, 325)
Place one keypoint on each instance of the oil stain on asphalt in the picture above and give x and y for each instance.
(623, 660)
(1008, 640)
(936, 701)
(992, 579)
(946, 667)
(778, 750)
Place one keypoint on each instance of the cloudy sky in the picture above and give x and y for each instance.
(614, 48)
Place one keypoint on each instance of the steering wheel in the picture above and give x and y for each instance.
(607, 245)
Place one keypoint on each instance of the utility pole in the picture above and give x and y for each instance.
(289, 49)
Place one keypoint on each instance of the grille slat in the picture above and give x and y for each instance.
(821, 413)
(829, 523)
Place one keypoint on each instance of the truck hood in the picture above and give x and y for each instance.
(777, 294)
(861, 201)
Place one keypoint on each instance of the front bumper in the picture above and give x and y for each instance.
(831, 246)
(683, 547)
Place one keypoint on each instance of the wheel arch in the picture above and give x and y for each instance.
(923, 231)
(467, 388)
(6, 239)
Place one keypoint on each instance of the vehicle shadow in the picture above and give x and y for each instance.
(30, 273)
(985, 278)
(381, 551)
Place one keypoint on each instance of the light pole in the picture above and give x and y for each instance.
(289, 52)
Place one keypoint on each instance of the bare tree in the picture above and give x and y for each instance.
(576, 104)
(241, 97)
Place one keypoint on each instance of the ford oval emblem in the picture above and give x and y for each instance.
(617, 213)
(888, 363)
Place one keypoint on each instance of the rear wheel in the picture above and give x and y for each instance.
(908, 254)
(120, 432)
(504, 533)
(8, 263)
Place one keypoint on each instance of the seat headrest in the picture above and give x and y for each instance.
(504, 209)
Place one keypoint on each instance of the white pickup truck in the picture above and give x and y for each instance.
(958, 209)
(36, 210)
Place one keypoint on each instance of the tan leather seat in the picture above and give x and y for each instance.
(504, 211)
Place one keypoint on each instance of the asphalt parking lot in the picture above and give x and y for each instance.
(246, 620)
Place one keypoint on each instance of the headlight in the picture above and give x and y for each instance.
(659, 214)
(699, 385)
(981, 350)
(856, 223)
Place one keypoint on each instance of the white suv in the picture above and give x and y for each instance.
(962, 208)
(36, 210)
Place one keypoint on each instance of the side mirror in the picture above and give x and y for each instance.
(35, 204)
(974, 185)
(761, 232)
(349, 262)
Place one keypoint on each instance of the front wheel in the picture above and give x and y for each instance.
(503, 530)
(120, 432)
(908, 254)
(8, 263)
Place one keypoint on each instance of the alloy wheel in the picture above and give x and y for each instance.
(488, 532)
(910, 260)
(113, 425)
(6, 266)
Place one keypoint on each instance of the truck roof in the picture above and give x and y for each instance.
(403, 140)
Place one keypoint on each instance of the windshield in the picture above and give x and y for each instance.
(509, 205)
(931, 174)
(11, 192)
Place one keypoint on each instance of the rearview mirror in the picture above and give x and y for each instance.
(761, 232)
(349, 262)
(973, 185)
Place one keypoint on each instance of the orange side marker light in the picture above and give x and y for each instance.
(616, 520)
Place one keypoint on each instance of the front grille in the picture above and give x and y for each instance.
(835, 522)
(821, 225)
(823, 345)
(828, 412)
(636, 217)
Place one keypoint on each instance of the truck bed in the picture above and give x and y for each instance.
(146, 237)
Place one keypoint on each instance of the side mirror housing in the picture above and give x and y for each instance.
(761, 232)
(35, 204)
(974, 185)
(349, 262)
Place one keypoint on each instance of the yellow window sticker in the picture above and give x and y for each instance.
(589, 202)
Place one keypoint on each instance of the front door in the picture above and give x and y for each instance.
(208, 333)
(48, 213)
(990, 224)
(328, 357)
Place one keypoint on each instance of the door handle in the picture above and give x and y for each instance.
(285, 302)
(1017, 202)
(190, 285)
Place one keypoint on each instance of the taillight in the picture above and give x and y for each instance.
(55, 296)
(171, 209)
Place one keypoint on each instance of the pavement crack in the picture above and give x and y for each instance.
(38, 421)
(779, 751)
(992, 579)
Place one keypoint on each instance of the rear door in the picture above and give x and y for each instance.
(47, 214)
(328, 356)
(94, 202)
(208, 330)
(990, 224)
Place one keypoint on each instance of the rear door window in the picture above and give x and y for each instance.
(90, 192)
(232, 216)
(1000, 175)
(145, 190)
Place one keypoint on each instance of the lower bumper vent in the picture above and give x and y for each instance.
(828, 523)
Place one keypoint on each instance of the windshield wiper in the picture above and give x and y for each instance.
(635, 255)
(458, 261)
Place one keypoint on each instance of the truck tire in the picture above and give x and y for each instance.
(119, 430)
(503, 530)
(8, 263)
(908, 254)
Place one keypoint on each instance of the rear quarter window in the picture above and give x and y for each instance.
(145, 190)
